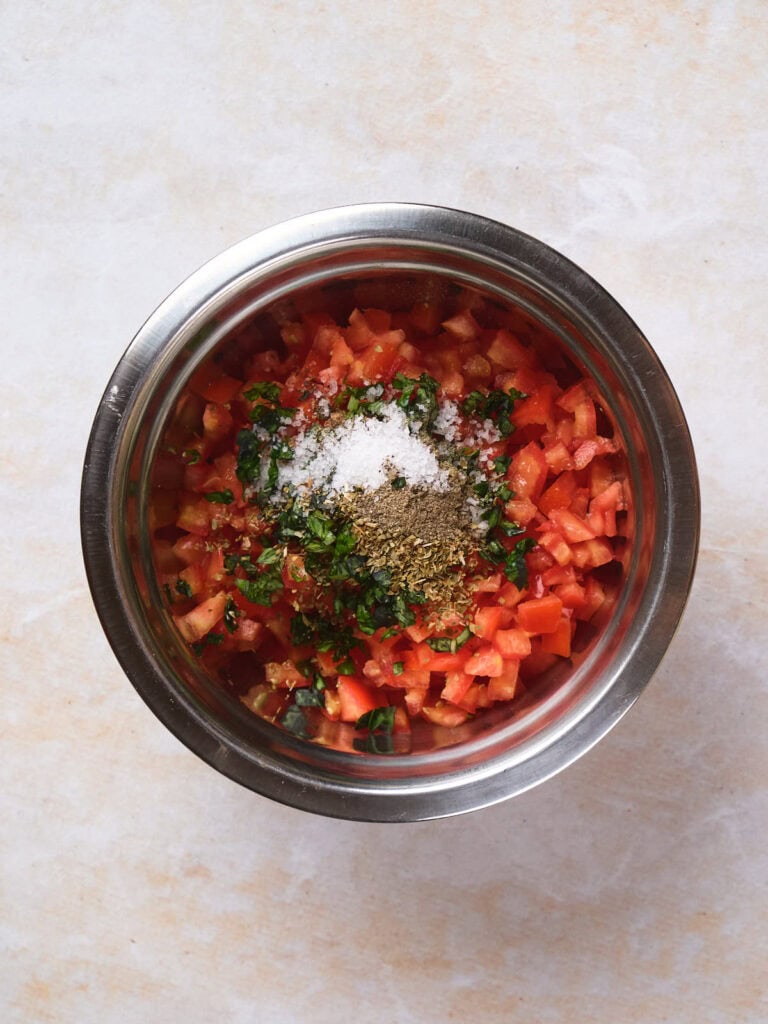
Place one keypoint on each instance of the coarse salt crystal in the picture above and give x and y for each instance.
(362, 452)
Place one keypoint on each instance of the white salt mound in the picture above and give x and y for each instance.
(362, 452)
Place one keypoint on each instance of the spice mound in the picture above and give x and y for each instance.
(423, 537)
(398, 518)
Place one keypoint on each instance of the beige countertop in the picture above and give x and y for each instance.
(137, 884)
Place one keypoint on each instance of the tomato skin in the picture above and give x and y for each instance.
(540, 615)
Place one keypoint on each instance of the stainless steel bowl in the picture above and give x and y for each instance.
(499, 754)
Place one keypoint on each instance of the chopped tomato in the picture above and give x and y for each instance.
(251, 588)
(540, 615)
(356, 698)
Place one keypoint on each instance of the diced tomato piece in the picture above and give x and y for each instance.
(536, 409)
(356, 698)
(573, 397)
(609, 499)
(418, 632)
(559, 641)
(295, 575)
(510, 595)
(475, 697)
(505, 686)
(214, 386)
(571, 526)
(558, 457)
(487, 621)
(527, 472)
(553, 542)
(462, 326)
(506, 351)
(572, 595)
(584, 454)
(445, 714)
(540, 615)
(249, 633)
(414, 699)
(332, 707)
(512, 643)
(376, 360)
(594, 598)
(477, 369)
(201, 620)
(486, 661)
(592, 553)
(217, 422)
(283, 674)
(195, 517)
(520, 510)
(559, 494)
(456, 685)
(584, 419)
(445, 661)
(341, 353)
(489, 585)
(601, 476)
(558, 574)
(426, 316)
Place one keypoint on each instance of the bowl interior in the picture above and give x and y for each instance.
(335, 261)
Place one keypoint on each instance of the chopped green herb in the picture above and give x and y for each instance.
(210, 639)
(398, 668)
(270, 418)
(379, 719)
(248, 456)
(501, 463)
(346, 667)
(191, 456)
(515, 567)
(269, 556)
(398, 483)
(225, 497)
(183, 588)
(308, 697)
(449, 644)
(294, 720)
(264, 389)
(496, 406)
(261, 589)
(168, 593)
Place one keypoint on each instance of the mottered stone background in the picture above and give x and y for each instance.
(140, 139)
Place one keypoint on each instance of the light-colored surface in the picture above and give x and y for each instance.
(139, 139)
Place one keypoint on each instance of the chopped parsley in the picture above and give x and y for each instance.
(183, 588)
